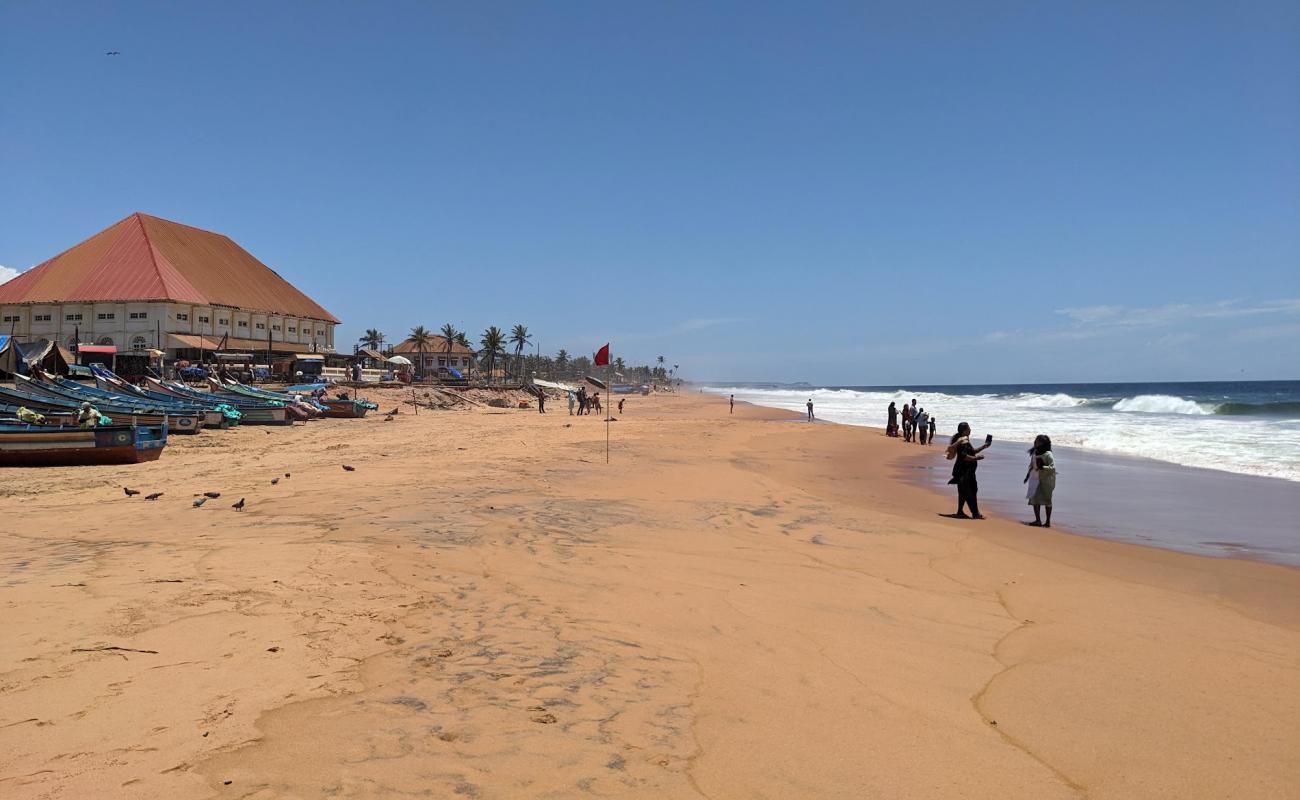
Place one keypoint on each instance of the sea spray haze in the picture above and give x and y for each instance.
(1251, 428)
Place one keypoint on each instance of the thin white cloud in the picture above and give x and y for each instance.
(7, 273)
(1107, 316)
(683, 327)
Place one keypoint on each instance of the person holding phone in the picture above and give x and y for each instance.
(966, 460)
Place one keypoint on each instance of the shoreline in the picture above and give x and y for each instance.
(735, 606)
(1226, 498)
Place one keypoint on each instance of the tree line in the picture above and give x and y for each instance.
(494, 358)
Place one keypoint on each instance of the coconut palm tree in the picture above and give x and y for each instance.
(372, 338)
(519, 337)
(493, 342)
(421, 338)
(561, 362)
(449, 333)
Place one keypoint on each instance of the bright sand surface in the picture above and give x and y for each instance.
(736, 607)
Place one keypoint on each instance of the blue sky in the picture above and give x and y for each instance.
(849, 193)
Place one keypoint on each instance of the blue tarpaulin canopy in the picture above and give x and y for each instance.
(455, 373)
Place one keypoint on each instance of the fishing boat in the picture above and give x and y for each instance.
(126, 416)
(217, 414)
(178, 420)
(55, 446)
(305, 408)
(339, 408)
(254, 412)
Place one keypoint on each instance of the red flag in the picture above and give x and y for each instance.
(602, 357)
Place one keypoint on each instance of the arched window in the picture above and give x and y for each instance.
(72, 342)
(106, 341)
(139, 343)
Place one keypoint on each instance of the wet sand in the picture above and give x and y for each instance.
(738, 606)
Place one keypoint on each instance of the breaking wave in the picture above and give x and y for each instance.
(1161, 404)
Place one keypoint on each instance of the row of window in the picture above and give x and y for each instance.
(110, 316)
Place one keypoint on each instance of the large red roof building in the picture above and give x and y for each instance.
(147, 282)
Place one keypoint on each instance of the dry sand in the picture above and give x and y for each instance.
(737, 607)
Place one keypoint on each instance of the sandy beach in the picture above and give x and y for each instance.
(738, 606)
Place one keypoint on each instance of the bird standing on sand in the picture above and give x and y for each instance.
(286, 474)
(153, 496)
(130, 492)
(239, 506)
(347, 468)
(274, 481)
(200, 501)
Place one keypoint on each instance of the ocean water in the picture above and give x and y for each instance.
(1248, 428)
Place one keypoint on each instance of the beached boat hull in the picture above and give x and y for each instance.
(44, 404)
(253, 414)
(32, 392)
(43, 446)
(344, 409)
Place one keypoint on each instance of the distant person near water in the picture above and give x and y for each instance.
(891, 425)
(922, 425)
(966, 461)
(933, 425)
(1040, 480)
(907, 423)
(733, 405)
(810, 410)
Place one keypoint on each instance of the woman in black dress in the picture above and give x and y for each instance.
(966, 461)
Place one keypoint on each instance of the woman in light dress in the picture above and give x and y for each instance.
(1040, 480)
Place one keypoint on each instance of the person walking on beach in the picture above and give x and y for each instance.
(733, 405)
(1040, 480)
(620, 404)
(572, 401)
(907, 423)
(541, 402)
(922, 425)
(810, 412)
(966, 461)
(933, 422)
(891, 424)
(582, 400)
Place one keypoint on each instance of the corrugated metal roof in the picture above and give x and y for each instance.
(148, 258)
(231, 343)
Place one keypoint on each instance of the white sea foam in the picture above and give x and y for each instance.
(1161, 404)
(1161, 427)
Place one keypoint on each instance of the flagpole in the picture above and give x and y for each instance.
(609, 402)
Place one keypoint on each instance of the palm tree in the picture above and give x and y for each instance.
(493, 342)
(449, 333)
(373, 338)
(519, 338)
(561, 362)
(420, 337)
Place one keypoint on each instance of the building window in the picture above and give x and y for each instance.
(109, 315)
(105, 341)
(223, 322)
(275, 327)
(11, 319)
(41, 318)
(204, 319)
(72, 343)
(139, 315)
(243, 323)
(72, 318)
(320, 333)
(261, 326)
(183, 317)
(292, 329)
(138, 343)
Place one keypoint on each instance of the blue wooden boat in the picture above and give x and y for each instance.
(53, 446)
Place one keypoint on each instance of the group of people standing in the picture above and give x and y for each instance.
(918, 425)
(1040, 478)
(586, 403)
